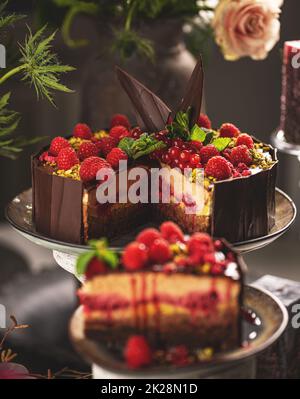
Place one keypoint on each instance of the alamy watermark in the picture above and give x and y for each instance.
(2, 56)
(2, 316)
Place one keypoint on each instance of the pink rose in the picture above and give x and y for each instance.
(13, 371)
(247, 27)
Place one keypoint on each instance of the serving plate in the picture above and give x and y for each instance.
(270, 321)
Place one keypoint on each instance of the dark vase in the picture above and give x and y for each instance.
(102, 95)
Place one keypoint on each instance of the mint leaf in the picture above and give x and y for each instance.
(198, 134)
(221, 143)
(126, 145)
(109, 257)
(82, 262)
(145, 145)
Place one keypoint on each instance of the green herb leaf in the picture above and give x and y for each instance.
(145, 145)
(83, 260)
(126, 145)
(104, 253)
(221, 143)
(198, 134)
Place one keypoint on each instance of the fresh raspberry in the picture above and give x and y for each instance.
(169, 267)
(120, 120)
(200, 241)
(106, 144)
(218, 245)
(67, 158)
(204, 121)
(82, 131)
(179, 356)
(118, 132)
(195, 145)
(217, 269)
(208, 152)
(229, 130)
(148, 236)
(219, 168)
(95, 267)
(209, 258)
(86, 150)
(115, 156)
(160, 251)
(90, 166)
(137, 352)
(245, 139)
(57, 144)
(46, 157)
(226, 153)
(240, 154)
(135, 256)
(171, 232)
(246, 172)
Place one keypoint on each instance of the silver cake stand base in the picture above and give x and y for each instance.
(279, 141)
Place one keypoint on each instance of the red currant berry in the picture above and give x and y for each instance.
(197, 145)
(175, 163)
(185, 156)
(195, 159)
(181, 165)
(177, 143)
(174, 152)
(167, 158)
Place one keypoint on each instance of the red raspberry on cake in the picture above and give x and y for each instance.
(245, 139)
(171, 232)
(118, 132)
(86, 150)
(219, 168)
(82, 131)
(57, 144)
(120, 120)
(179, 356)
(66, 158)
(208, 152)
(148, 236)
(106, 144)
(240, 154)
(204, 121)
(115, 156)
(135, 256)
(200, 241)
(90, 166)
(137, 352)
(160, 251)
(195, 145)
(95, 267)
(229, 130)
(46, 157)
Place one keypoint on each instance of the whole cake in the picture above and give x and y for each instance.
(170, 288)
(238, 173)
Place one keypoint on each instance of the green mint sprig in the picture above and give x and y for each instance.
(144, 145)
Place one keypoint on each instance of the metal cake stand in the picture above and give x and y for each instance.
(279, 141)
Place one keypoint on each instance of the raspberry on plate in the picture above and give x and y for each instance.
(67, 158)
(95, 267)
(87, 149)
(135, 256)
(208, 152)
(115, 156)
(229, 130)
(120, 120)
(90, 166)
(219, 168)
(171, 232)
(137, 352)
(240, 154)
(160, 251)
(83, 131)
(204, 121)
(57, 144)
(245, 139)
(148, 236)
(118, 132)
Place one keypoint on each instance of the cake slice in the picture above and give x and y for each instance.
(172, 289)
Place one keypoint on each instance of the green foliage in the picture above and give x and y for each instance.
(144, 145)
(128, 42)
(7, 20)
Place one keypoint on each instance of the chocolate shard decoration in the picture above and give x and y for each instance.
(151, 112)
(193, 95)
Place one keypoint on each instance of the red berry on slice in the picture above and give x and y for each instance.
(66, 158)
(148, 236)
(171, 232)
(219, 168)
(118, 131)
(90, 166)
(208, 152)
(136, 133)
(57, 144)
(135, 256)
(86, 150)
(240, 154)
(229, 130)
(204, 121)
(82, 131)
(115, 156)
(137, 352)
(245, 139)
(95, 267)
(120, 120)
(179, 356)
(160, 251)
(200, 240)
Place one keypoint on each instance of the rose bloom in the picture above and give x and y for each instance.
(247, 27)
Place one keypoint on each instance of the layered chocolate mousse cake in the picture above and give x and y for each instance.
(170, 288)
(238, 173)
